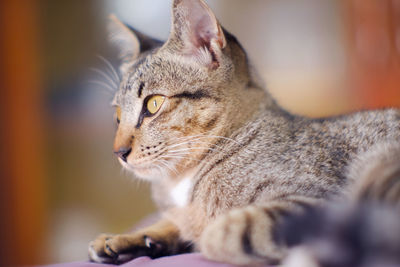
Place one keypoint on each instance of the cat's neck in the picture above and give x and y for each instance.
(245, 105)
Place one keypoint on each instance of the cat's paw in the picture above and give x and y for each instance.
(240, 237)
(117, 249)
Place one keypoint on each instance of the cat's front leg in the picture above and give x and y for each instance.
(160, 239)
(245, 236)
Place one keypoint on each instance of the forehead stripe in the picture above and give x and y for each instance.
(140, 90)
(194, 96)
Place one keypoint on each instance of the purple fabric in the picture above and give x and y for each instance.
(184, 260)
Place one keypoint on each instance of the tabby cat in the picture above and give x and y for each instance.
(225, 161)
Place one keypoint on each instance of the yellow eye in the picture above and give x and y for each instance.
(154, 103)
(118, 113)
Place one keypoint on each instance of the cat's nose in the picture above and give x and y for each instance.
(123, 153)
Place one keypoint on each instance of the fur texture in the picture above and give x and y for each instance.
(246, 161)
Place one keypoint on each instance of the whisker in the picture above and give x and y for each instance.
(175, 153)
(159, 167)
(179, 157)
(194, 148)
(200, 136)
(186, 137)
(211, 147)
(210, 135)
(177, 149)
(164, 163)
(111, 67)
(103, 85)
(186, 142)
(106, 76)
(222, 137)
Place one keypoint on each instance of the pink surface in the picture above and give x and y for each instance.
(184, 260)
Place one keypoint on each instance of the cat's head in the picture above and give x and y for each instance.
(177, 99)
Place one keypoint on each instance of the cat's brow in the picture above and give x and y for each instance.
(194, 96)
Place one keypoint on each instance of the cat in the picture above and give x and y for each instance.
(224, 160)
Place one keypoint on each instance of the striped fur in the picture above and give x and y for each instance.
(246, 162)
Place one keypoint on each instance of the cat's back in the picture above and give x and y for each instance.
(365, 128)
(278, 154)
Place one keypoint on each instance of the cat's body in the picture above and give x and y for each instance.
(277, 156)
(225, 161)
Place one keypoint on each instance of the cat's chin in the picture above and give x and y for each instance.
(145, 172)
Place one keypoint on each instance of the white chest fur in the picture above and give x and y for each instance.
(180, 192)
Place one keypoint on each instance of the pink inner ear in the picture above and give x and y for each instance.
(198, 32)
(202, 25)
(203, 31)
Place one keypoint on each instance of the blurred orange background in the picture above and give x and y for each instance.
(59, 182)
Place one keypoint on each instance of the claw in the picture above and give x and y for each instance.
(94, 257)
(111, 253)
(151, 243)
(148, 241)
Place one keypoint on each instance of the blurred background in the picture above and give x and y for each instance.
(60, 184)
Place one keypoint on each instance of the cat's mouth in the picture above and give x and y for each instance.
(145, 170)
(135, 167)
(157, 166)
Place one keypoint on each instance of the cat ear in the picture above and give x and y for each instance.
(126, 41)
(129, 41)
(196, 32)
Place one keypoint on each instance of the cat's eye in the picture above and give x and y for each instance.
(118, 114)
(154, 103)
